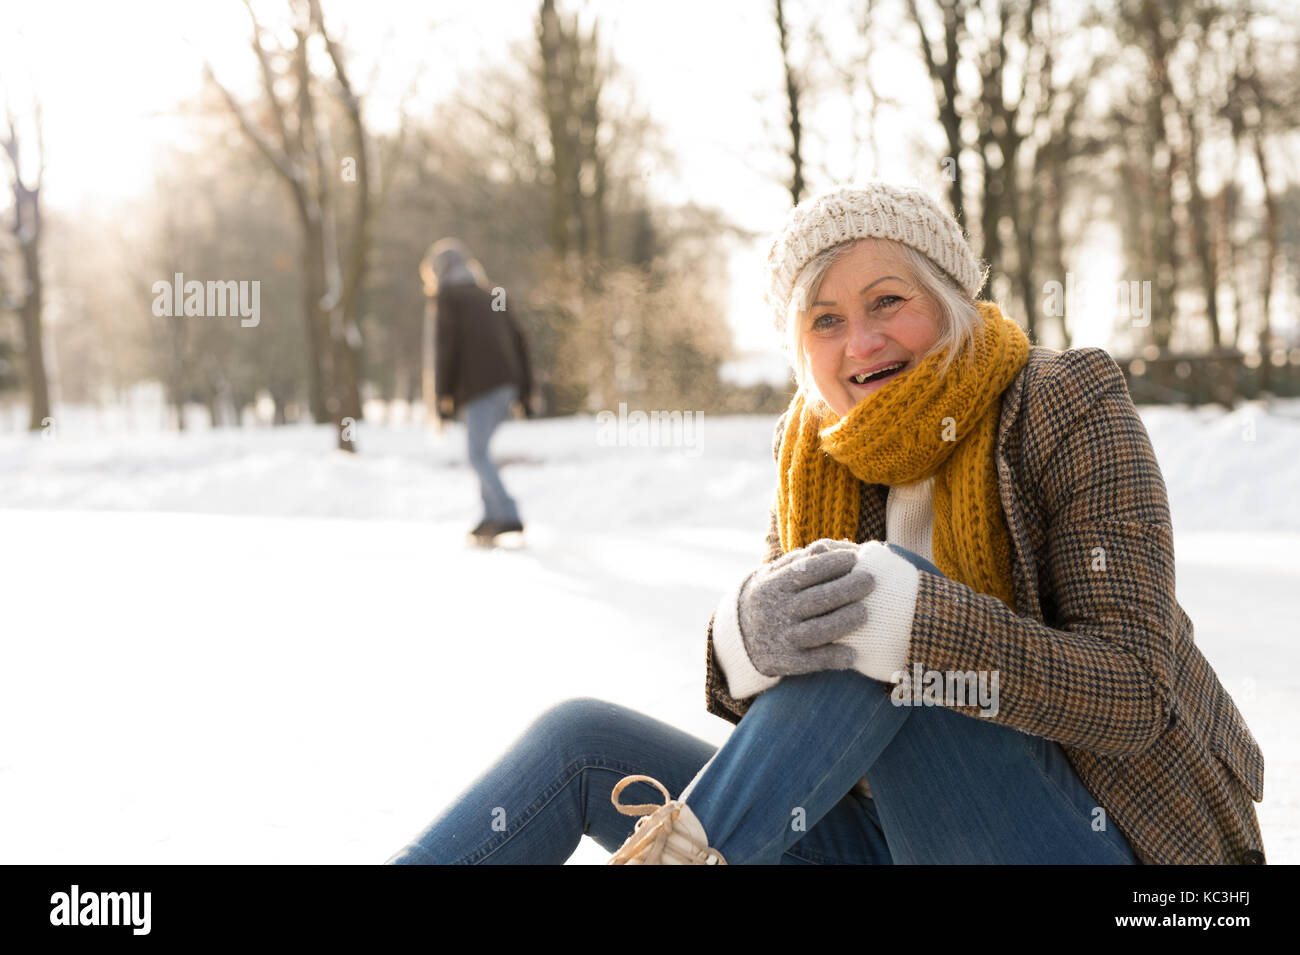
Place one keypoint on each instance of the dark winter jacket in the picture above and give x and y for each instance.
(477, 348)
(1104, 663)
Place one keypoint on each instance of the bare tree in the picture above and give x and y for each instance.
(943, 73)
(1259, 109)
(859, 75)
(571, 78)
(1203, 92)
(1016, 114)
(1199, 109)
(298, 147)
(1002, 131)
(1062, 166)
(26, 228)
(794, 89)
(1154, 28)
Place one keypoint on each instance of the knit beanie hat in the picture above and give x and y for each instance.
(875, 209)
(449, 262)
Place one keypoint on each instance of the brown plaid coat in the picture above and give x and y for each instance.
(1101, 661)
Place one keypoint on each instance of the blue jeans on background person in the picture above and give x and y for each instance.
(946, 787)
(483, 414)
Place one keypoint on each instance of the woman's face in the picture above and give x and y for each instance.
(866, 316)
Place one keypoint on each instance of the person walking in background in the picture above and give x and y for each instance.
(481, 365)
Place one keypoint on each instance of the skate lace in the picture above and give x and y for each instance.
(649, 839)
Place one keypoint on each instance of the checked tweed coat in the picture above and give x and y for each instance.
(1102, 661)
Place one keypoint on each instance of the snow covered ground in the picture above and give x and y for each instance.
(244, 646)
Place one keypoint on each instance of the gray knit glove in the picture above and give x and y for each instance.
(793, 609)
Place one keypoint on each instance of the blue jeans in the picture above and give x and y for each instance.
(946, 787)
(483, 414)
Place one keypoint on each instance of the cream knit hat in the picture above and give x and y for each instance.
(875, 209)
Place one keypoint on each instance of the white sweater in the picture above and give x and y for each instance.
(881, 644)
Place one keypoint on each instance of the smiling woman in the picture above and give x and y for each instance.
(992, 511)
(979, 496)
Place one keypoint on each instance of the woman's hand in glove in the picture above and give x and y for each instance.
(793, 609)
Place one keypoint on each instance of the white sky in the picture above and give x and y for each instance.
(109, 74)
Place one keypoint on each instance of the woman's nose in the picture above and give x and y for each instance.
(865, 336)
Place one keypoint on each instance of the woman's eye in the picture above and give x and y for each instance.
(887, 298)
(823, 321)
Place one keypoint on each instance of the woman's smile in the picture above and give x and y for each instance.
(877, 376)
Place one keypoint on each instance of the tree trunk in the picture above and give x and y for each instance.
(1270, 257)
(313, 290)
(792, 95)
(555, 100)
(944, 77)
(278, 398)
(1228, 205)
(38, 387)
(1026, 218)
(1203, 238)
(27, 232)
(1164, 165)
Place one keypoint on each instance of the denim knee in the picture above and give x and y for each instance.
(575, 711)
(841, 688)
(563, 726)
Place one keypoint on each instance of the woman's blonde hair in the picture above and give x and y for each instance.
(958, 317)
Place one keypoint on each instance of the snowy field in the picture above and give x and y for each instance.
(243, 646)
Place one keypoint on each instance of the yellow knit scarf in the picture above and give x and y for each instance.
(905, 431)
